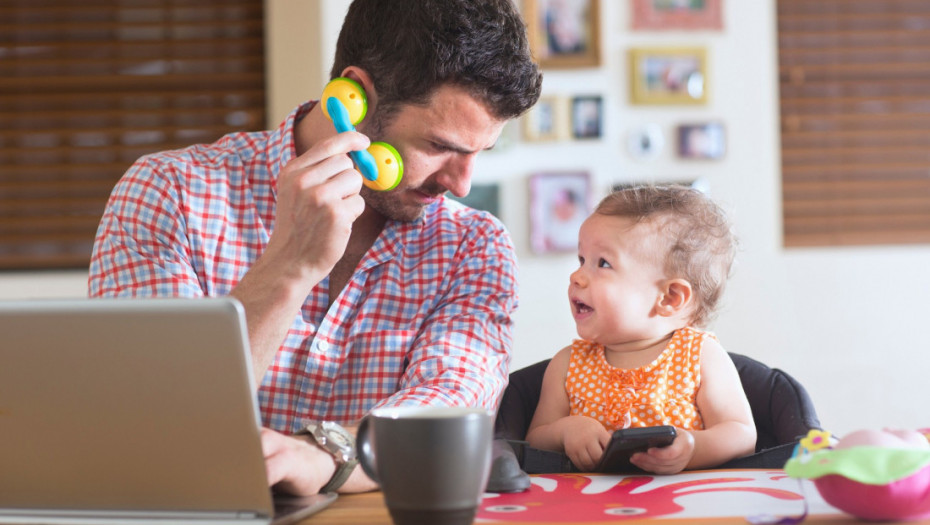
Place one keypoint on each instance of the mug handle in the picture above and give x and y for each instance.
(364, 450)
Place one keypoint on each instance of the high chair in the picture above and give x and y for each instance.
(781, 408)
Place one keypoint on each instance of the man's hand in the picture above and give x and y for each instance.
(294, 465)
(318, 200)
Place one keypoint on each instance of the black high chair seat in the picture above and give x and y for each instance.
(781, 407)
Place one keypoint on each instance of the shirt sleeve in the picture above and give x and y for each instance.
(462, 356)
(141, 248)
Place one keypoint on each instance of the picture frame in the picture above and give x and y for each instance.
(677, 14)
(485, 197)
(587, 116)
(564, 34)
(701, 141)
(668, 75)
(559, 202)
(546, 120)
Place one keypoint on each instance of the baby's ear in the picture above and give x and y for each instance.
(674, 297)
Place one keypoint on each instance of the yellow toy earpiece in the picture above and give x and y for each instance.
(390, 167)
(352, 96)
(345, 103)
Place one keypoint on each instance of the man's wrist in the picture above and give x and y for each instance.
(339, 444)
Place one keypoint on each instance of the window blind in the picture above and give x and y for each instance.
(87, 87)
(855, 121)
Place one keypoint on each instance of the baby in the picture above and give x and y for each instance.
(653, 262)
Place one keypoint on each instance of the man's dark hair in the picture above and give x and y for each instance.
(412, 47)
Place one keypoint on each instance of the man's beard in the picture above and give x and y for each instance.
(387, 203)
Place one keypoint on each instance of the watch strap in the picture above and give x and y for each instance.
(343, 468)
(343, 471)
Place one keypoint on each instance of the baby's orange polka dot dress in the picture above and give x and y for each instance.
(663, 392)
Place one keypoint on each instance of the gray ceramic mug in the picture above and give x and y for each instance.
(432, 462)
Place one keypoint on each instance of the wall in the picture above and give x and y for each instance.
(846, 322)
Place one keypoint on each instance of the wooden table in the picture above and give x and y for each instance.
(353, 509)
(717, 496)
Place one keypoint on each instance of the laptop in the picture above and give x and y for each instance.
(132, 411)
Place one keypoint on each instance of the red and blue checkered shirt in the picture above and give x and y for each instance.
(425, 319)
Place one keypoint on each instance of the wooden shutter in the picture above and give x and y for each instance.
(86, 87)
(855, 121)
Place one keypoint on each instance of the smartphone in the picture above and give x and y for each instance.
(627, 441)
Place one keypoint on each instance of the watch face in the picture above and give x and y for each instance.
(338, 435)
(337, 440)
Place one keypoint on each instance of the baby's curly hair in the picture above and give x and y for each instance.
(700, 244)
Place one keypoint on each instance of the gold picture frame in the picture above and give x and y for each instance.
(564, 34)
(547, 120)
(668, 75)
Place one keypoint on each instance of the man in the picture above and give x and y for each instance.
(354, 298)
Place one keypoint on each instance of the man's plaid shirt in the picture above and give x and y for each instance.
(425, 319)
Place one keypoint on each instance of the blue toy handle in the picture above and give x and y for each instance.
(363, 160)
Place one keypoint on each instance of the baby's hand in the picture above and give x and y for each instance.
(667, 460)
(584, 440)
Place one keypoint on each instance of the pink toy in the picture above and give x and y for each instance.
(871, 474)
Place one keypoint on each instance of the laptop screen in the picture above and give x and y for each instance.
(139, 405)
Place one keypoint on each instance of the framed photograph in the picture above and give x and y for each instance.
(706, 141)
(546, 121)
(677, 14)
(563, 33)
(559, 203)
(587, 117)
(671, 75)
(484, 197)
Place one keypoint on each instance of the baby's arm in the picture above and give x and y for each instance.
(581, 438)
(729, 431)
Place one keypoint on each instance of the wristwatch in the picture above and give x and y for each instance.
(340, 444)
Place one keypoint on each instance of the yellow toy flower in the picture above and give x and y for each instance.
(815, 440)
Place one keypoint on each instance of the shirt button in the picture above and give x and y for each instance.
(322, 346)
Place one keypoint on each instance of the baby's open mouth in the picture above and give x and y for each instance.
(581, 308)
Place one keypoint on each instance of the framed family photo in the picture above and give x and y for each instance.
(668, 75)
(563, 33)
(587, 117)
(703, 141)
(559, 203)
(547, 120)
(677, 14)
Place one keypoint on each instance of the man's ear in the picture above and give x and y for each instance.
(674, 297)
(361, 76)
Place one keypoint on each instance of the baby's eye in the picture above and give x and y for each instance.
(580, 261)
(601, 263)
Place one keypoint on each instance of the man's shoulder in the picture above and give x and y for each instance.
(238, 148)
(233, 161)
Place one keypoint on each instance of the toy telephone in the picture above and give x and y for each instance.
(345, 103)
